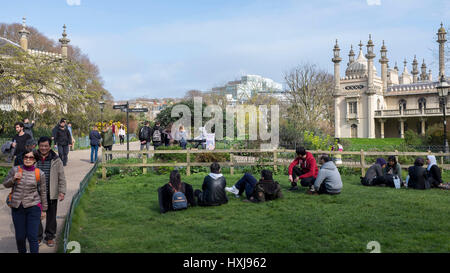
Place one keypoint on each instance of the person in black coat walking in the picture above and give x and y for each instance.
(213, 187)
(62, 140)
(166, 192)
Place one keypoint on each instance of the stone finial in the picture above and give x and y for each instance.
(24, 33)
(64, 42)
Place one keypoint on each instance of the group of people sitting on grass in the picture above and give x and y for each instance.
(389, 174)
(176, 195)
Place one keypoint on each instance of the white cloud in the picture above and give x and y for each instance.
(73, 2)
(374, 2)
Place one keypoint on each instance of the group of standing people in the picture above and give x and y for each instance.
(158, 136)
(36, 186)
(390, 174)
(104, 138)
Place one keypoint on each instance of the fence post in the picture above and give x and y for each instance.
(103, 163)
(231, 162)
(188, 161)
(275, 160)
(442, 158)
(363, 163)
(396, 155)
(144, 161)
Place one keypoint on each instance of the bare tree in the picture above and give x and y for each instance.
(310, 97)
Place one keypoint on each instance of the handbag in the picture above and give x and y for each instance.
(397, 182)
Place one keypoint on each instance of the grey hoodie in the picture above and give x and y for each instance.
(329, 175)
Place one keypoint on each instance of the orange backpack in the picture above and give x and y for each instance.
(37, 174)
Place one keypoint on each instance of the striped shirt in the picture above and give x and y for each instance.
(45, 166)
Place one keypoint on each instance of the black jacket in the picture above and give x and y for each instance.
(165, 194)
(434, 175)
(267, 190)
(95, 138)
(213, 192)
(149, 134)
(63, 137)
(418, 178)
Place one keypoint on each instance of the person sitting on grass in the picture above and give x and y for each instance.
(304, 168)
(166, 193)
(257, 191)
(328, 180)
(213, 187)
(393, 169)
(374, 173)
(433, 172)
(417, 176)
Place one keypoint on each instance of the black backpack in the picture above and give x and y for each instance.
(143, 134)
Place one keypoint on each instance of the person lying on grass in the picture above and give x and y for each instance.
(374, 172)
(303, 168)
(328, 180)
(166, 194)
(213, 187)
(257, 191)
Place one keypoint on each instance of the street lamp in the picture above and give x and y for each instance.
(443, 88)
(102, 106)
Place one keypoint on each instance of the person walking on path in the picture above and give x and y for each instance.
(28, 127)
(55, 181)
(107, 140)
(95, 141)
(28, 201)
(72, 142)
(19, 142)
(145, 136)
(62, 141)
(157, 135)
(122, 134)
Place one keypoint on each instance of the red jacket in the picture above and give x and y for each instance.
(308, 166)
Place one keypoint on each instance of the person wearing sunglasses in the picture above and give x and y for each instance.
(28, 201)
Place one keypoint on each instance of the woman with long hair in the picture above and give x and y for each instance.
(174, 186)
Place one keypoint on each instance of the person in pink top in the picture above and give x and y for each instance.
(303, 168)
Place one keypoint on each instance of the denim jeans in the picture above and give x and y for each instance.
(94, 151)
(26, 224)
(247, 183)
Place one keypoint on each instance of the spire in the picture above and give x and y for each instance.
(396, 67)
(351, 55)
(423, 68)
(24, 33)
(64, 42)
(336, 50)
(415, 70)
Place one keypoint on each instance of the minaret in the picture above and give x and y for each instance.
(415, 70)
(371, 105)
(384, 66)
(441, 40)
(396, 67)
(337, 86)
(24, 33)
(64, 42)
(430, 75)
(351, 56)
(423, 68)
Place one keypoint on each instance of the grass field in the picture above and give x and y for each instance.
(122, 215)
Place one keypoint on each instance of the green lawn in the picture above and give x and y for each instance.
(122, 215)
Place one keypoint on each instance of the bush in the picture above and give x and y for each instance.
(179, 158)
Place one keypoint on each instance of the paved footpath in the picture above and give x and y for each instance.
(77, 168)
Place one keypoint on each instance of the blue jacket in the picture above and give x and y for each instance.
(95, 138)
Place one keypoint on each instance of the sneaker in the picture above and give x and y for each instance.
(51, 243)
(294, 188)
(233, 190)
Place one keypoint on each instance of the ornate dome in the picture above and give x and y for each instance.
(359, 67)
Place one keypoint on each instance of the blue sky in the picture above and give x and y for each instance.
(161, 48)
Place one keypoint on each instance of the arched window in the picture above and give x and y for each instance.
(354, 131)
(422, 103)
(402, 104)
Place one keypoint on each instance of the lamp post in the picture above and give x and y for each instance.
(102, 106)
(443, 88)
